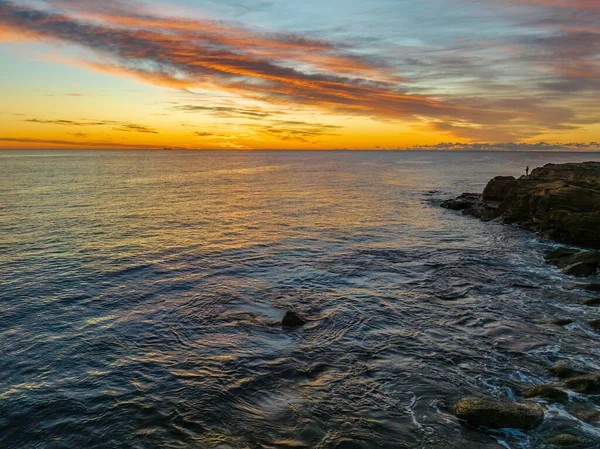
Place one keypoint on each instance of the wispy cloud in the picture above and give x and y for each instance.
(512, 146)
(117, 126)
(132, 127)
(74, 94)
(78, 143)
(225, 111)
(67, 122)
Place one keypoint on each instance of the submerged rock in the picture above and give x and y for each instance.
(588, 415)
(594, 302)
(292, 319)
(562, 321)
(561, 202)
(547, 392)
(587, 383)
(595, 324)
(592, 287)
(499, 414)
(565, 440)
(566, 368)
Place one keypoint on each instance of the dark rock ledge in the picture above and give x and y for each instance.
(560, 202)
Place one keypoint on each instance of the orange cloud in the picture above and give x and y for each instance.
(192, 54)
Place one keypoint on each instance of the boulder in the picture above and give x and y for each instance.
(547, 392)
(292, 319)
(565, 369)
(588, 383)
(498, 188)
(499, 414)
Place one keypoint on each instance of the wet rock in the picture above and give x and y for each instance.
(562, 321)
(590, 416)
(464, 201)
(588, 383)
(592, 287)
(498, 188)
(472, 204)
(594, 302)
(565, 440)
(595, 324)
(565, 369)
(292, 319)
(561, 257)
(547, 392)
(499, 414)
(585, 263)
(581, 269)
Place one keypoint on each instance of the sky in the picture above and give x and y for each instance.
(311, 74)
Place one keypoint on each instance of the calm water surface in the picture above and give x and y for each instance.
(141, 294)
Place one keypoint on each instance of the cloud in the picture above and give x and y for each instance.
(568, 4)
(224, 111)
(67, 122)
(512, 146)
(74, 95)
(118, 126)
(79, 143)
(290, 130)
(203, 134)
(132, 127)
(277, 68)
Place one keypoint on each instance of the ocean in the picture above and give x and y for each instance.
(141, 294)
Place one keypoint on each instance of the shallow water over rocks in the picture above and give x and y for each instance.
(142, 295)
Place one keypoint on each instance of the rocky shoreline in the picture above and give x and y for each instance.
(560, 203)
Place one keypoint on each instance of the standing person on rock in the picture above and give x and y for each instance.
(527, 171)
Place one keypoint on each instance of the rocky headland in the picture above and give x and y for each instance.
(560, 203)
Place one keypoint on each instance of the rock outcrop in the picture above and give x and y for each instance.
(561, 202)
(547, 392)
(565, 369)
(292, 319)
(499, 414)
(588, 383)
(565, 440)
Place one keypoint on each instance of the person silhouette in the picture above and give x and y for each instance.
(527, 171)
